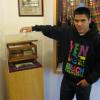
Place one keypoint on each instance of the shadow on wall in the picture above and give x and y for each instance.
(95, 93)
(3, 59)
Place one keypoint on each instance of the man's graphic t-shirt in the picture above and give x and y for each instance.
(76, 59)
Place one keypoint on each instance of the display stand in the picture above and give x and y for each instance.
(24, 77)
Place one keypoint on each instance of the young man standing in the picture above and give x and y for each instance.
(80, 52)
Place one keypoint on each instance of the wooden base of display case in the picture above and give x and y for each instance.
(25, 84)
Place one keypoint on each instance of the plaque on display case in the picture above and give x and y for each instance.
(22, 55)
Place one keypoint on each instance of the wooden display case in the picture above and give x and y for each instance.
(22, 55)
(24, 75)
(22, 50)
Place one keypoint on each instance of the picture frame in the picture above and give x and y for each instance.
(30, 7)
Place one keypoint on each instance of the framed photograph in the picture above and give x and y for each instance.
(30, 7)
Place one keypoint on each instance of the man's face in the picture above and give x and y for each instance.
(81, 23)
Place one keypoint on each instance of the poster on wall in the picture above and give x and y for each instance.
(30, 7)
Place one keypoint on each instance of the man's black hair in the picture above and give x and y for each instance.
(82, 10)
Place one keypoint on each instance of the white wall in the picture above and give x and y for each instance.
(11, 20)
(1, 15)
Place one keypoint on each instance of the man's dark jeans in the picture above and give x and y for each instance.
(69, 89)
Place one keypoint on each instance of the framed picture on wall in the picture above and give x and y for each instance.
(30, 7)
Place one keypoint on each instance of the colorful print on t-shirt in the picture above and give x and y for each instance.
(76, 59)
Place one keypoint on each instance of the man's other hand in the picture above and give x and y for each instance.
(26, 29)
(83, 83)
